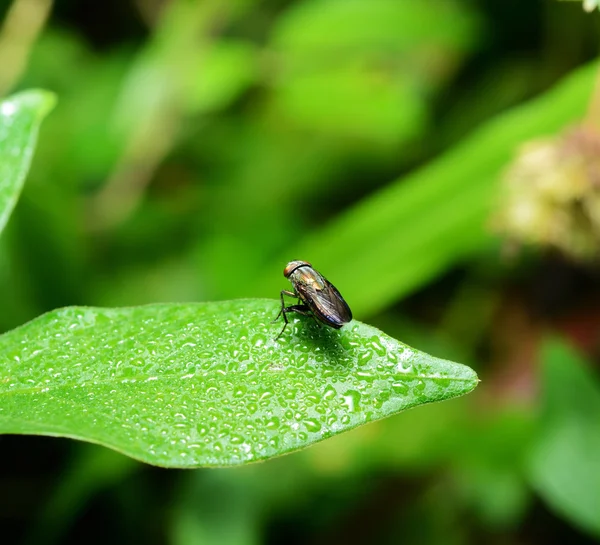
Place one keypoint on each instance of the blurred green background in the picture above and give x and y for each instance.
(198, 146)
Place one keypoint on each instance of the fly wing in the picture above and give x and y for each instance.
(326, 302)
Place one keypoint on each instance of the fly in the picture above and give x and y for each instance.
(317, 297)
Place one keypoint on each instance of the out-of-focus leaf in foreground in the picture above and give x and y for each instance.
(187, 385)
(564, 466)
(20, 118)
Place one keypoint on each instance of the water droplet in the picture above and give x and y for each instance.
(400, 368)
(329, 394)
(364, 357)
(273, 423)
(377, 344)
(290, 394)
(400, 388)
(259, 340)
(239, 391)
(352, 400)
(312, 425)
(311, 399)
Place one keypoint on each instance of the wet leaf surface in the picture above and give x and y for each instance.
(207, 384)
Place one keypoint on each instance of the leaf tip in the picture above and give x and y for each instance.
(40, 100)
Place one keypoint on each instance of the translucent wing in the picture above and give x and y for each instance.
(322, 297)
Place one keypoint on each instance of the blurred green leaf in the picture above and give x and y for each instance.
(565, 460)
(20, 118)
(489, 465)
(400, 238)
(369, 77)
(184, 67)
(207, 384)
(79, 144)
(223, 508)
(358, 26)
(225, 70)
(354, 101)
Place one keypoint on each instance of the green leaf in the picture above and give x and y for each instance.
(564, 465)
(206, 384)
(368, 79)
(403, 236)
(20, 118)
(351, 101)
(223, 73)
(388, 26)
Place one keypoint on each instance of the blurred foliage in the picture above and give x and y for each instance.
(197, 146)
(569, 437)
(20, 117)
(590, 5)
(549, 198)
(435, 216)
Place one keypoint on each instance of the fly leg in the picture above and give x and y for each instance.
(298, 309)
(282, 310)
